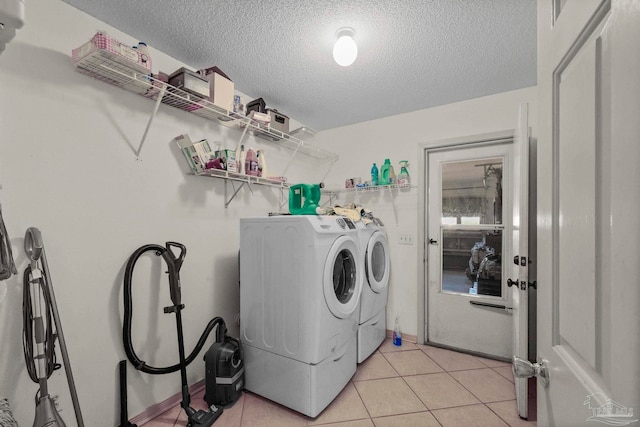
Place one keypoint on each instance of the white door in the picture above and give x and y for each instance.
(469, 248)
(589, 212)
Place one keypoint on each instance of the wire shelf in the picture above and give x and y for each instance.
(249, 179)
(104, 68)
(370, 188)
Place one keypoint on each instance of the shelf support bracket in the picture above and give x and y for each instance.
(333, 162)
(284, 173)
(393, 203)
(244, 133)
(228, 202)
(153, 115)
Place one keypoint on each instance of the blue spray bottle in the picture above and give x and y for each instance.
(397, 336)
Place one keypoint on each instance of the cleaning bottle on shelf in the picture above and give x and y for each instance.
(241, 158)
(403, 176)
(262, 164)
(374, 174)
(392, 175)
(384, 172)
(397, 335)
(251, 163)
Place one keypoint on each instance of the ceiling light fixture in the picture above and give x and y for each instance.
(345, 50)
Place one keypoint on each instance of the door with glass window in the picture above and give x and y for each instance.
(468, 245)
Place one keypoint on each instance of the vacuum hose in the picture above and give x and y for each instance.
(174, 263)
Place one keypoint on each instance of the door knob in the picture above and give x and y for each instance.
(525, 369)
(510, 282)
(433, 242)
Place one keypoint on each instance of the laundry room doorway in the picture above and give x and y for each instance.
(468, 188)
(474, 211)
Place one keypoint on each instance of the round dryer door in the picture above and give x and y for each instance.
(342, 280)
(377, 262)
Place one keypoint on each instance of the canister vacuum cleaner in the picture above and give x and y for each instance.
(224, 366)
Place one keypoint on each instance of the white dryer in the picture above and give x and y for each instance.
(372, 322)
(301, 279)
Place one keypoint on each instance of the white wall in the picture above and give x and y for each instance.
(67, 166)
(398, 138)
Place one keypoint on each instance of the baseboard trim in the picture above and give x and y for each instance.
(405, 337)
(162, 407)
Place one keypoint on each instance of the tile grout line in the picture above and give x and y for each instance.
(360, 397)
(405, 381)
(244, 397)
(498, 415)
(462, 385)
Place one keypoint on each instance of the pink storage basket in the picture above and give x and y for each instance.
(104, 49)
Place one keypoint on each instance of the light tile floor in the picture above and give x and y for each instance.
(411, 385)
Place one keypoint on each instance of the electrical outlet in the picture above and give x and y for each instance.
(406, 239)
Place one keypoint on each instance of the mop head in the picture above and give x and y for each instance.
(6, 416)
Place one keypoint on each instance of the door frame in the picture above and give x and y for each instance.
(424, 148)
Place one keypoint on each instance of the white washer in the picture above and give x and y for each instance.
(301, 279)
(372, 322)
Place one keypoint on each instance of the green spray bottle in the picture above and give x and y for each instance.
(403, 176)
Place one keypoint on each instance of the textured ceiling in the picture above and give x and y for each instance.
(412, 54)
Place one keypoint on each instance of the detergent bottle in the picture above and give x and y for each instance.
(251, 163)
(304, 198)
(403, 176)
(374, 174)
(384, 172)
(392, 175)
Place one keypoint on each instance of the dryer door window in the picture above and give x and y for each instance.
(342, 277)
(377, 262)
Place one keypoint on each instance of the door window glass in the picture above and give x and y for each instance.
(471, 227)
(344, 276)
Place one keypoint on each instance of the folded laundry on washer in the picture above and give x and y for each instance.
(353, 214)
(351, 211)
